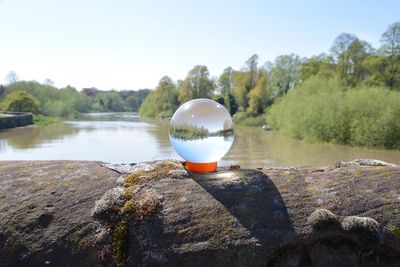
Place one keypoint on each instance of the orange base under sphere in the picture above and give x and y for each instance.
(201, 167)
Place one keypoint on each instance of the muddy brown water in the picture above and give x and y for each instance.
(124, 137)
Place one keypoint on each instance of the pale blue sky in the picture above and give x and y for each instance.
(132, 44)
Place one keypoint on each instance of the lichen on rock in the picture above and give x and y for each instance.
(109, 206)
(120, 239)
(322, 218)
(122, 203)
(363, 162)
(365, 227)
(160, 170)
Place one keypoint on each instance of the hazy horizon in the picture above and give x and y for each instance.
(132, 44)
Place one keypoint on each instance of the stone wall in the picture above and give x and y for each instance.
(82, 213)
(15, 119)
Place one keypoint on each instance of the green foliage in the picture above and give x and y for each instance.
(197, 84)
(68, 102)
(241, 87)
(333, 98)
(53, 102)
(162, 102)
(108, 102)
(284, 74)
(133, 99)
(324, 110)
(219, 98)
(243, 118)
(391, 40)
(322, 65)
(230, 104)
(21, 101)
(225, 81)
(43, 120)
(258, 96)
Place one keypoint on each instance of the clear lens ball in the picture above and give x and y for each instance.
(201, 131)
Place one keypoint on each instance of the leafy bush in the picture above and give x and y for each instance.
(323, 109)
(21, 101)
(162, 102)
(53, 102)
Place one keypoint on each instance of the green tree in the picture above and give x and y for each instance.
(21, 101)
(350, 52)
(285, 74)
(341, 44)
(390, 41)
(62, 102)
(133, 102)
(225, 83)
(244, 81)
(197, 84)
(162, 102)
(375, 68)
(241, 88)
(322, 64)
(108, 101)
(258, 96)
(252, 68)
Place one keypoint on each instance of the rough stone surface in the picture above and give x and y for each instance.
(322, 219)
(45, 212)
(233, 217)
(363, 162)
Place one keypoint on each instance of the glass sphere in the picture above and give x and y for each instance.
(201, 131)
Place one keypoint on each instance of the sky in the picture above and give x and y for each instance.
(132, 44)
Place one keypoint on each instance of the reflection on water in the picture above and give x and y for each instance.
(125, 138)
(256, 147)
(33, 137)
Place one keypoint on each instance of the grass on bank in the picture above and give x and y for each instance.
(44, 120)
(241, 118)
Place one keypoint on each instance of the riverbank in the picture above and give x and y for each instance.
(10, 120)
(44, 120)
(84, 213)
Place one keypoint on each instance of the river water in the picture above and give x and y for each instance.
(125, 138)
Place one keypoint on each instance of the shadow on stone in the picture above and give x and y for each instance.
(253, 199)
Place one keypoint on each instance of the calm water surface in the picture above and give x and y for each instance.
(124, 137)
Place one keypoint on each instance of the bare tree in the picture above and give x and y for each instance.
(48, 82)
(11, 77)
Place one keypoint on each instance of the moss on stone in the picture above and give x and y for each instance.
(121, 203)
(160, 170)
(119, 245)
(129, 207)
(108, 207)
(322, 218)
(143, 207)
(365, 227)
(395, 231)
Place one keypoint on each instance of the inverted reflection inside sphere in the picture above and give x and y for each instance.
(201, 131)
